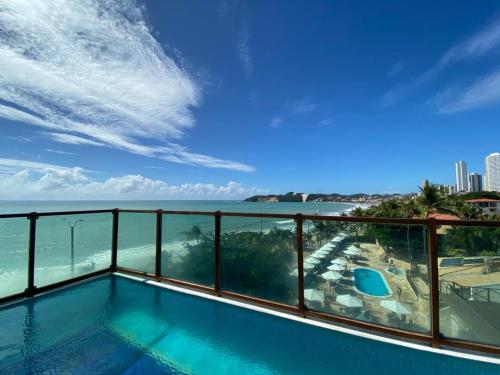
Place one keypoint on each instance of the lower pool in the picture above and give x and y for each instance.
(371, 282)
(114, 325)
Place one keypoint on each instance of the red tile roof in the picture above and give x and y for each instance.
(439, 216)
(482, 200)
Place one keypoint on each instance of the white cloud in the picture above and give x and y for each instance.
(473, 47)
(59, 152)
(16, 164)
(276, 122)
(55, 182)
(483, 92)
(91, 73)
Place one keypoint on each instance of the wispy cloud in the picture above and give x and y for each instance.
(28, 180)
(243, 50)
(303, 106)
(91, 70)
(276, 122)
(396, 69)
(59, 152)
(473, 47)
(483, 92)
(325, 122)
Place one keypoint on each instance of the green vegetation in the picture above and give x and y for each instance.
(453, 241)
(252, 263)
(430, 200)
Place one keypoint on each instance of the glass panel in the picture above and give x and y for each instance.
(188, 248)
(71, 245)
(14, 235)
(259, 258)
(137, 241)
(371, 272)
(469, 281)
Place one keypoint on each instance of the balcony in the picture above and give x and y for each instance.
(392, 278)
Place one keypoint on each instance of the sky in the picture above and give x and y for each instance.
(183, 99)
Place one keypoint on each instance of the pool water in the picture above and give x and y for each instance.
(371, 282)
(113, 325)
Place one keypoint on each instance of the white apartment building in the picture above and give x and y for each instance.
(493, 172)
(461, 176)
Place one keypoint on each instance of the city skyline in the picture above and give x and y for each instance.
(224, 100)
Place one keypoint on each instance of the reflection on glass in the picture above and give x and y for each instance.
(370, 272)
(469, 281)
(188, 248)
(137, 241)
(71, 245)
(259, 258)
(14, 260)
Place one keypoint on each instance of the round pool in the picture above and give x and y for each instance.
(371, 283)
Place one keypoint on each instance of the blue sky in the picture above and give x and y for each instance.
(194, 100)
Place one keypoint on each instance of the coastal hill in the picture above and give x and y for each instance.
(334, 197)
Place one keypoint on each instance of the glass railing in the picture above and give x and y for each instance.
(14, 234)
(376, 273)
(431, 280)
(188, 248)
(258, 258)
(469, 279)
(137, 241)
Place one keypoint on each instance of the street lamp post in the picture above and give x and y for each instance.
(72, 226)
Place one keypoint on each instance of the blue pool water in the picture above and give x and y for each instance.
(114, 325)
(371, 282)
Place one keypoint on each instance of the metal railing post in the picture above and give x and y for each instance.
(217, 216)
(434, 282)
(114, 241)
(159, 220)
(300, 262)
(30, 290)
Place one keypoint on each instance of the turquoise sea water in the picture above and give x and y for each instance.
(113, 325)
(92, 234)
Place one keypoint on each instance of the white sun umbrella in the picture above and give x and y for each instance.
(317, 255)
(312, 260)
(321, 252)
(331, 276)
(352, 247)
(336, 267)
(308, 266)
(341, 261)
(396, 306)
(314, 295)
(349, 300)
(337, 239)
(352, 252)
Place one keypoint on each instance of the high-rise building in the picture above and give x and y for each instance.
(493, 172)
(461, 176)
(475, 182)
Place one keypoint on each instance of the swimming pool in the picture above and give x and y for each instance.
(371, 282)
(115, 325)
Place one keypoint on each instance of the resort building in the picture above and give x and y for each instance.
(461, 176)
(475, 182)
(488, 206)
(492, 162)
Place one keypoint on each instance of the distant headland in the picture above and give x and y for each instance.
(360, 198)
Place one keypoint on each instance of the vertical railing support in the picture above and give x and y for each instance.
(159, 220)
(300, 262)
(217, 217)
(434, 282)
(30, 290)
(114, 241)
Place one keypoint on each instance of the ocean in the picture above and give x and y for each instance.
(136, 246)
